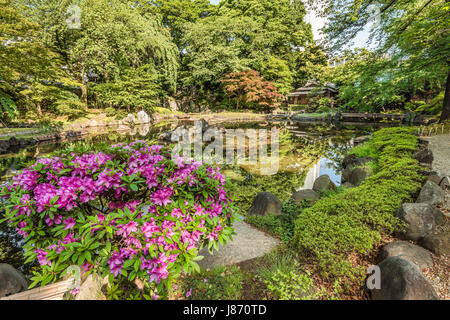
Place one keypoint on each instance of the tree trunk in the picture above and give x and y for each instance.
(84, 89)
(446, 106)
(39, 110)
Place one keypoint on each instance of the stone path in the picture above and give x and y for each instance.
(248, 243)
(440, 145)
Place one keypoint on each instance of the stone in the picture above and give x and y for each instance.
(309, 195)
(204, 124)
(323, 183)
(445, 183)
(403, 249)
(358, 175)
(91, 289)
(347, 185)
(438, 243)
(351, 161)
(265, 203)
(165, 136)
(362, 139)
(4, 146)
(435, 178)
(12, 281)
(423, 143)
(421, 219)
(13, 142)
(424, 156)
(402, 280)
(142, 117)
(130, 119)
(431, 193)
(172, 104)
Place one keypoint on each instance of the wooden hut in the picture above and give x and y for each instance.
(302, 95)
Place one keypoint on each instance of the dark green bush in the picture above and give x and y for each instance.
(354, 220)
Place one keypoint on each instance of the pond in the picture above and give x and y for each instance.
(306, 151)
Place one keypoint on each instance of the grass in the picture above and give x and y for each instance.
(221, 283)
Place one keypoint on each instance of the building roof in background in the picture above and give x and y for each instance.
(314, 85)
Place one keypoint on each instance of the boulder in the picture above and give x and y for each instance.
(142, 117)
(323, 183)
(130, 119)
(347, 185)
(402, 280)
(310, 195)
(352, 161)
(423, 143)
(358, 175)
(165, 136)
(408, 251)
(13, 142)
(435, 178)
(424, 156)
(421, 219)
(4, 146)
(438, 243)
(91, 289)
(445, 183)
(265, 203)
(12, 281)
(431, 193)
(362, 139)
(203, 123)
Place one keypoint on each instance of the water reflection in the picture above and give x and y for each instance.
(308, 151)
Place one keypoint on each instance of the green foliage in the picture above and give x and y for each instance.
(354, 220)
(277, 71)
(7, 106)
(291, 286)
(412, 49)
(279, 225)
(134, 90)
(221, 283)
(110, 112)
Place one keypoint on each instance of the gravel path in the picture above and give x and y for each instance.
(440, 145)
(248, 243)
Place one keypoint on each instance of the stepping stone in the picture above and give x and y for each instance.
(248, 243)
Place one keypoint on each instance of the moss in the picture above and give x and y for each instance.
(354, 220)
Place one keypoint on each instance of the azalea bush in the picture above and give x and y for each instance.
(126, 212)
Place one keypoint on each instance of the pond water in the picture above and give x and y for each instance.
(306, 151)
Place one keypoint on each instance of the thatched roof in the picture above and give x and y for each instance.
(314, 85)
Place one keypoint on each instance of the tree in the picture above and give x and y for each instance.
(309, 63)
(248, 88)
(281, 23)
(413, 34)
(114, 37)
(215, 46)
(29, 67)
(135, 89)
(176, 13)
(277, 71)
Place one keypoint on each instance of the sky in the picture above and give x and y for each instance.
(317, 23)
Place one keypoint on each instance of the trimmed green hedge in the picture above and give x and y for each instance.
(353, 221)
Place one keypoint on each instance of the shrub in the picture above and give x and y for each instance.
(110, 112)
(221, 283)
(354, 220)
(127, 212)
